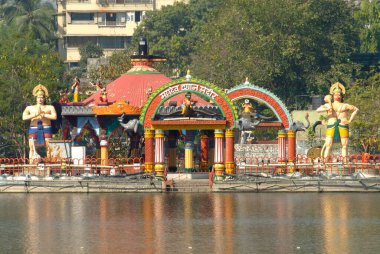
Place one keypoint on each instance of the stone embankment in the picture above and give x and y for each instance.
(357, 182)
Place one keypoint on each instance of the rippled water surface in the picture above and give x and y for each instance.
(190, 223)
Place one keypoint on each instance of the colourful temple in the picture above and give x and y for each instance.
(179, 125)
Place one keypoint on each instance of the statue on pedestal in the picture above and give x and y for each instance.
(40, 117)
(338, 120)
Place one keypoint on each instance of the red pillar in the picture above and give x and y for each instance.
(291, 146)
(230, 165)
(149, 151)
(204, 152)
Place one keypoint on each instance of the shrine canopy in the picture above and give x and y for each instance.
(213, 110)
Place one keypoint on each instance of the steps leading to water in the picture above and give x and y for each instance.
(200, 185)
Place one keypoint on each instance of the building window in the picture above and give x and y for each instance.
(82, 18)
(135, 16)
(112, 19)
(106, 2)
(106, 42)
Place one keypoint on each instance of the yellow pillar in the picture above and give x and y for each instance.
(104, 153)
(230, 164)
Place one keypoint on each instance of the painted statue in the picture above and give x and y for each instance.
(338, 120)
(187, 105)
(249, 119)
(75, 89)
(40, 117)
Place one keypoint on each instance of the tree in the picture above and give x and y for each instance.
(287, 46)
(368, 18)
(118, 63)
(89, 50)
(365, 129)
(173, 32)
(33, 18)
(24, 63)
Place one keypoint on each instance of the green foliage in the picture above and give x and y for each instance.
(285, 46)
(173, 32)
(24, 63)
(32, 18)
(364, 129)
(118, 63)
(368, 18)
(89, 50)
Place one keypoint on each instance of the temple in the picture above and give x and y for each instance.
(180, 125)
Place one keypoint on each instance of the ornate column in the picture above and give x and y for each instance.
(148, 136)
(172, 151)
(230, 164)
(218, 155)
(204, 152)
(103, 152)
(291, 146)
(189, 146)
(103, 148)
(159, 152)
(281, 146)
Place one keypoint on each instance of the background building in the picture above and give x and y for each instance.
(108, 23)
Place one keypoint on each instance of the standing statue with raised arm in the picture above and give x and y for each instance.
(338, 120)
(40, 117)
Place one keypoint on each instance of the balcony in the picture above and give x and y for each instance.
(112, 2)
(95, 29)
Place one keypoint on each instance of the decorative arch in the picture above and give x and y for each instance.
(184, 85)
(248, 90)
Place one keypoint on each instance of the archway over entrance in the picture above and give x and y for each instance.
(157, 125)
(250, 91)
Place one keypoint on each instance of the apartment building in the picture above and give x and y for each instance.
(108, 23)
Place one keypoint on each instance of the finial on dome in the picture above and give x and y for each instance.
(188, 76)
(246, 81)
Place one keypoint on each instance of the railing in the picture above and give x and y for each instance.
(271, 166)
(72, 167)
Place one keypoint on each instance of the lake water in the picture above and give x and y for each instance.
(190, 223)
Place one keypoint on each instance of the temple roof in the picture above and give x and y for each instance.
(131, 87)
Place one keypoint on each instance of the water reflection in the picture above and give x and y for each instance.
(189, 223)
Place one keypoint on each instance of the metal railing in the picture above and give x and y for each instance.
(72, 167)
(271, 166)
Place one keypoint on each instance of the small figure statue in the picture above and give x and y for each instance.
(247, 106)
(103, 95)
(337, 120)
(63, 98)
(98, 86)
(187, 105)
(75, 89)
(40, 117)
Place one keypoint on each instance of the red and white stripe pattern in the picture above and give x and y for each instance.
(159, 151)
(281, 148)
(218, 155)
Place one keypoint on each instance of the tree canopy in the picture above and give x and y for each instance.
(33, 18)
(24, 63)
